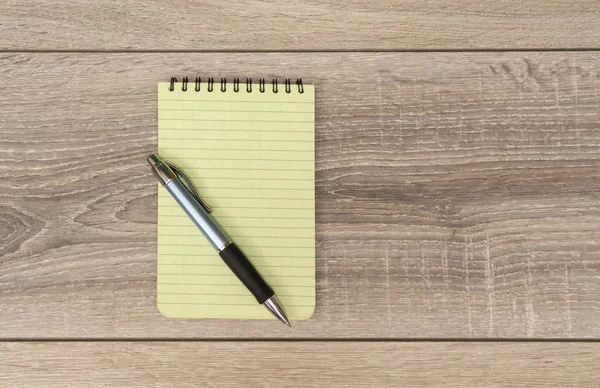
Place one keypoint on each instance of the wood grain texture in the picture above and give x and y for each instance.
(457, 194)
(298, 25)
(296, 364)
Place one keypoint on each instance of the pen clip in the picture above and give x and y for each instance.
(190, 186)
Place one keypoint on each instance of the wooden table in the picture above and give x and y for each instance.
(458, 192)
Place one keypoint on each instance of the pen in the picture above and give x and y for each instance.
(180, 187)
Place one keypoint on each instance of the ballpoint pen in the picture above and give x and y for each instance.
(180, 187)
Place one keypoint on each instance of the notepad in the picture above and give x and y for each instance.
(250, 155)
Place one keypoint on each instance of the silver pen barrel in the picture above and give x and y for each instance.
(198, 212)
(204, 221)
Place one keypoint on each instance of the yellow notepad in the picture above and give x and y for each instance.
(251, 158)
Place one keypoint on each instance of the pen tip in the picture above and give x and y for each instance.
(273, 306)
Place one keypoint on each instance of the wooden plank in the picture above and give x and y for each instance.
(298, 25)
(457, 194)
(316, 364)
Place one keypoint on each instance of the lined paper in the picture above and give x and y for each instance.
(251, 157)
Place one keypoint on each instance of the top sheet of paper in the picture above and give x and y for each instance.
(251, 158)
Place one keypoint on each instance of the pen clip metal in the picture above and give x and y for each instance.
(190, 186)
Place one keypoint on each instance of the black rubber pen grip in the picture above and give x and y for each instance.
(245, 271)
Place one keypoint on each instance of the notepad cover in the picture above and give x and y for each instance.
(251, 158)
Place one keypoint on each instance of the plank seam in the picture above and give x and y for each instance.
(233, 51)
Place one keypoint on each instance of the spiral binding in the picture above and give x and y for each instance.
(210, 85)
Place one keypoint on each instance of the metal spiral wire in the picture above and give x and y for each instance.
(210, 85)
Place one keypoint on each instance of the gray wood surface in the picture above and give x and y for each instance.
(296, 364)
(298, 25)
(457, 195)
